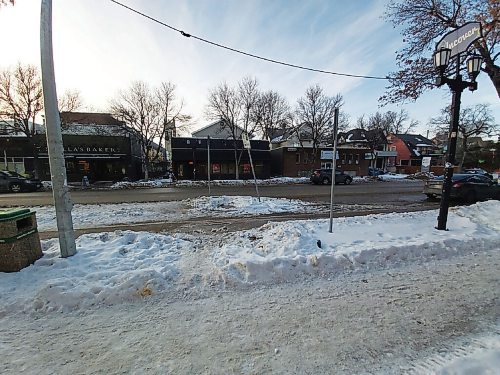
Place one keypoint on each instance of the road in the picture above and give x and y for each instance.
(396, 193)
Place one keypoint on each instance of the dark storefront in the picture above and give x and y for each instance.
(100, 158)
(190, 159)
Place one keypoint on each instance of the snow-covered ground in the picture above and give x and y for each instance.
(114, 267)
(110, 267)
(97, 215)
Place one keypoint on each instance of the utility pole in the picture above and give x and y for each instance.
(60, 190)
(209, 165)
(334, 165)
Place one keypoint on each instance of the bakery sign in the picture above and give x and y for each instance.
(88, 149)
(459, 40)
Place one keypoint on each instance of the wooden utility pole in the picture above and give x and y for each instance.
(60, 190)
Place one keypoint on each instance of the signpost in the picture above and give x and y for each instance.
(459, 40)
(209, 166)
(426, 164)
(246, 144)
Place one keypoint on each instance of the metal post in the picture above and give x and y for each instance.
(60, 190)
(209, 165)
(253, 172)
(457, 89)
(334, 165)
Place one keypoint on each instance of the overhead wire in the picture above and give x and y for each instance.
(188, 35)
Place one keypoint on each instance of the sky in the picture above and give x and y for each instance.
(101, 48)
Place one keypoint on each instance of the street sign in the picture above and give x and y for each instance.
(460, 39)
(426, 163)
(246, 141)
(328, 155)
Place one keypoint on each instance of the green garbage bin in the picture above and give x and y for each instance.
(19, 240)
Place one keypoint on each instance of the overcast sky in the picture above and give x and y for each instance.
(100, 48)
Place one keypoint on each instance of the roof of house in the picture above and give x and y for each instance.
(214, 124)
(89, 118)
(362, 135)
(413, 141)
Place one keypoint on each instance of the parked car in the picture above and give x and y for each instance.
(465, 187)
(324, 176)
(375, 171)
(478, 171)
(14, 182)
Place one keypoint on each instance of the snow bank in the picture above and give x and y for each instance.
(283, 251)
(108, 268)
(270, 181)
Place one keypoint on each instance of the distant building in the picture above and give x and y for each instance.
(190, 159)
(96, 145)
(411, 148)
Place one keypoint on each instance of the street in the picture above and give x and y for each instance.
(394, 193)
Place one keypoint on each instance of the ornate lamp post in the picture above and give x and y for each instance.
(453, 44)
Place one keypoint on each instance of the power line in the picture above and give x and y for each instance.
(243, 52)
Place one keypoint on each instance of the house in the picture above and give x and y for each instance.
(293, 155)
(374, 142)
(411, 148)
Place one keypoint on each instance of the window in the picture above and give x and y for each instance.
(297, 158)
(349, 158)
(404, 162)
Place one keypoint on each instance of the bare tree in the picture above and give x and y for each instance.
(424, 22)
(138, 107)
(271, 113)
(21, 101)
(248, 96)
(474, 121)
(224, 105)
(70, 101)
(171, 114)
(315, 114)
(389, 122)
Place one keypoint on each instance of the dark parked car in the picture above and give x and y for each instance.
(478, 171)
(14, 182)
(465, 187)
(324, 176)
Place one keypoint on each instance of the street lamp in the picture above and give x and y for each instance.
(456, 85)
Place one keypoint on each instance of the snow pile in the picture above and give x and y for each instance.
(270, 181)
(108, 268)
(392, 176)
(95, 215)
(141, 184)
(283, 251)
(245, 205)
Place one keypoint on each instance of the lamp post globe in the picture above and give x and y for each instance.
(474, 66)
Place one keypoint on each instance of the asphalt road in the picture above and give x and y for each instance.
(394, 193)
